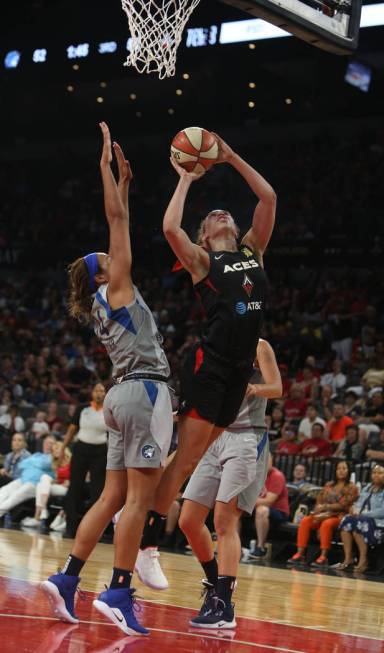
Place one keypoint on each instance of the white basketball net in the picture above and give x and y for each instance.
(156, 28)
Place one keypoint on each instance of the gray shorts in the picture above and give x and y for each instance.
(235, 465)
(139, 420)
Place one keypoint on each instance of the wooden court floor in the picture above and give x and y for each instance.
(278, 610)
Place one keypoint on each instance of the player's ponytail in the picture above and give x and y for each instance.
(80, 293)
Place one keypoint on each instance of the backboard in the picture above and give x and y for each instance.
(332, 25)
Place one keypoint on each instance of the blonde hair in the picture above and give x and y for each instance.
(55, 460)
(200, 240)
(80, 293)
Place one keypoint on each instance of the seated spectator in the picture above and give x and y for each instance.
(78, 375)
(332, 503)
(375, 446)
(288, 443)
(374, 412)
(52, 416)
(338, 423)
(272, 505)
(365, 525)
(325, 404)
(374, 376)
(5, 401)
(39, 427)
(299, 476)
(350, 447)
(296, 404)
(352, 406)
(10, 470)
(336, 379)
(31, 470)
(12, 421)
(47, 486)
(318, 445)
(308, 381)
(276, 423)
(312, 417)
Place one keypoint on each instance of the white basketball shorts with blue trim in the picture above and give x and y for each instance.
(138, 415)
(235, 465)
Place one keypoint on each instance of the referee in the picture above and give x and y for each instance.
(89, 454)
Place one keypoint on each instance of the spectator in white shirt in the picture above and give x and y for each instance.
(336, 379)
(11, 420)
(311, 417)
(40, 427)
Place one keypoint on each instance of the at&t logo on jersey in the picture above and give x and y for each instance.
(241, 265)
(242, 308)
(148, 451)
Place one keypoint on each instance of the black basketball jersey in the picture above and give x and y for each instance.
(233, 297)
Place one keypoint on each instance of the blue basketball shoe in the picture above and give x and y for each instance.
(61, 590)
(119, 605)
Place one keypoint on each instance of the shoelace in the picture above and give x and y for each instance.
(135, 605)
(80, 592)
(208, 593)
(218, 609)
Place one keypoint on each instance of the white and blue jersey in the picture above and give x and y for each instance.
(130, 336)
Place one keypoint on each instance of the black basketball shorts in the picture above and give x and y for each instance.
(211, 389)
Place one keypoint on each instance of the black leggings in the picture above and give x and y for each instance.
(86, 458)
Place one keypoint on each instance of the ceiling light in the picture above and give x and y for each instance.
(103, 84)
(251, 104)
(171, 111)
(75, 66)
(70, 88)
(99, 99)
(252, 85)
(132, 96)
(251, 46)
(185, 76)
(138, 114)
(179, 91)
(288, 100)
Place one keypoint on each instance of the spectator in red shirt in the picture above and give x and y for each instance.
(295, 406)
(287, 443)
(318, 445)
(307, 380)
(338, 423)
(272, 505)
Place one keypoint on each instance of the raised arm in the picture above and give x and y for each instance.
(120, 287)
(193, 257)
(272, 387)
(263, 220)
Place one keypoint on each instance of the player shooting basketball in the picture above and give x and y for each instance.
(231, 284)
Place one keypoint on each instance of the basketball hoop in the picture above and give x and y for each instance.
(156, 28)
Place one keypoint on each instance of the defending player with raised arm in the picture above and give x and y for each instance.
(228, 479)
(137, 409)
(231, 284)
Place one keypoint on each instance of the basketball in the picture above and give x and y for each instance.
(195, 149)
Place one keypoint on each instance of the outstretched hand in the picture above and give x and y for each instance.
(191, 176)
(125, 172)
(106, 155)
(225, 152)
